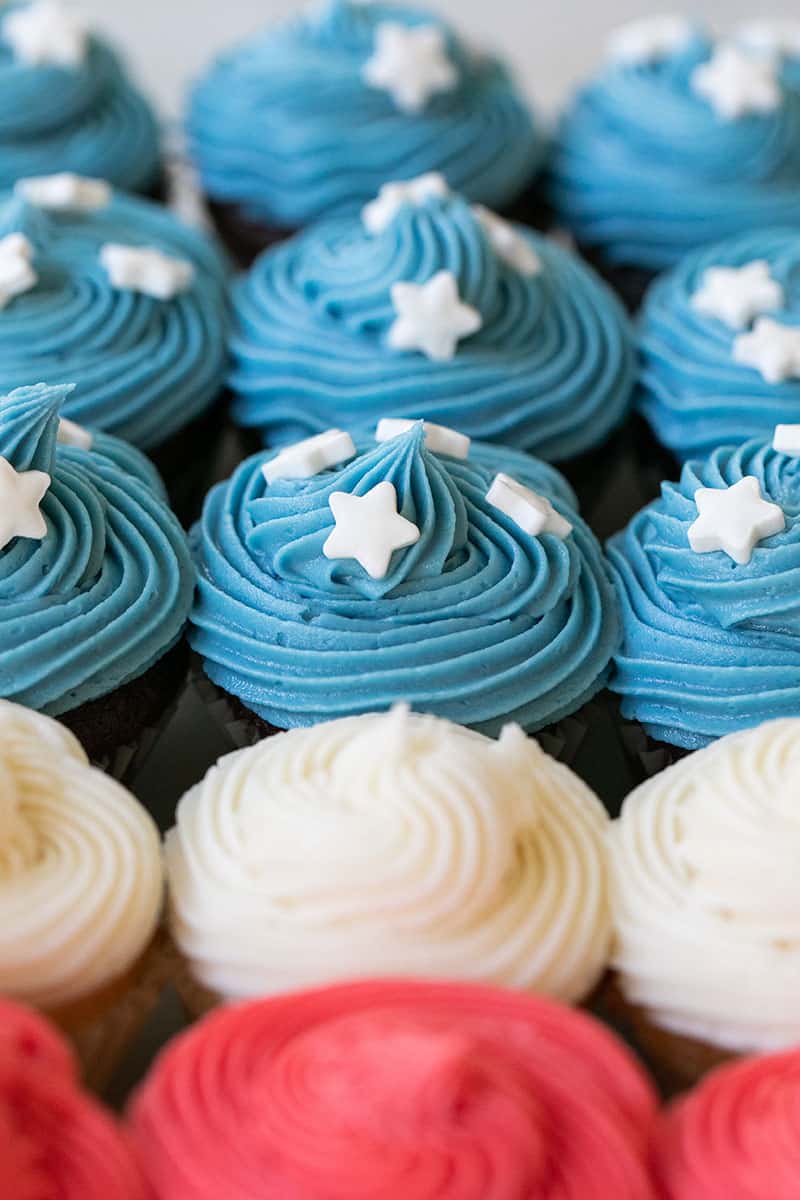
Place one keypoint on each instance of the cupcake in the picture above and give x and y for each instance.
(676, 144)
(338, 578)
(778, 41)
(310, 119)
(707, 577)
(706, 903)
(96, 580)
(737, 1136)
(428, 307)
(80, 891)
(67, 105)
(719, 339)
(387, 1089)
(117, 295)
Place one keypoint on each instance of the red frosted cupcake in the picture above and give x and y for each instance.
(398, 1091)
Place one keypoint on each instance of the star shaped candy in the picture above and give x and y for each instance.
(734, 519)
(65, 192)
(649, 40)
(146, 270)
(771, 348)
(369, 529)
(439, 439)
(410, 63)
(736, 83)
(431, 317)
(786, 440)
(21, 493)
(379, 213)
(45, 32)
(16, 273)
(774, 40)
(534, 514)
(508, 243)
(305, 459)
(736, 295)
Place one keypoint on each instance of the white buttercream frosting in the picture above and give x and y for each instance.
(706, 892)
(81, 876)
(391, 844)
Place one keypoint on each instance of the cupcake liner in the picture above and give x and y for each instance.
(647, 755)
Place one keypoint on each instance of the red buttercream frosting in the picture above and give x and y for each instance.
(736, 1136)
(396, 1091)
(55, 1142)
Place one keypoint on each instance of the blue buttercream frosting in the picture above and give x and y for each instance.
(645, 170)
(145, 367)
(478, 621)
(286, 127)
(692, 391)
(107, 591)
(550, 371)
(87, 119)
(709, 645)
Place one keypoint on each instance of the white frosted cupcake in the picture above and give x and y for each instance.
(389, 845)
(81, 886)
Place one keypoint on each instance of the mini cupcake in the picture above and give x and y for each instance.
(338, 578)
(309, 120)
(737, 1136)
(388, 1089)
(678, 143)
(67, 105)
(81, 887)
(706, 903)
(427, 306)
(96, 579)
(708, 578)
(116, 294)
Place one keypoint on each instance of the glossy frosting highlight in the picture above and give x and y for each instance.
(384, 1089)
(551, 370)
(477, 622)
(143, 368)
(687, 617)
(285, 125)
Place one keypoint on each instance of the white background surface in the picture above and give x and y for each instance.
(552, 43)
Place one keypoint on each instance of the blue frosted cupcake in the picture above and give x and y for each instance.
(67, 105)
(677, 143)
(96, 579)
(708, 578)
(427, 306)
(309, 119)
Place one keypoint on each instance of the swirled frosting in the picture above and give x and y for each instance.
(478, 621)
(286, 126)
(143, 367)
(709, 645)
(551, 369)
(107, 591)
(54, 1139)
(706, 892)
(645, 170)
(736, 1136)
(86, 118)
(383, 1089)
(392, 844)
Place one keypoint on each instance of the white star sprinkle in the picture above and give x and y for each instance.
(369, 529)
(736, 295)
(21, 493)
(16, 273)
(438, 438)
(508, 243)
(774, 40)
(787, 440)
(65, 192)
(649, 39)
(534, 514)
(70, 434)
(379, 213)
(736, 84)
(411, 64)
(431, 317)
(734, 520)
(146, 270)
(305, 459)
(46, 33)
(771, 348)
